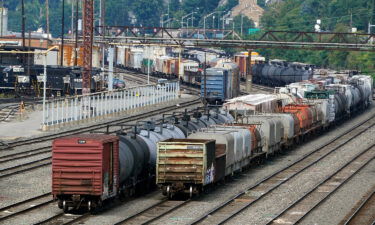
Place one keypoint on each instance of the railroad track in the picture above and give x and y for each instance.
(153, 212)
(257, 87)
(25, 206)
(8, 112)
(311, 200)
(21, 155)
(241, 201)
(142, 78)
(46, 161)
(364, 213)
(64, 219)
(94, 127)
(10, 171)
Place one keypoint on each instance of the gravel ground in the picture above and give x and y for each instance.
(23, 160)
(341, 202)
(38, 181)
(25, 185)
(35, 216)
(24, 148)
(29, 134)
(28, 184)
(262, 211)
(125, 210)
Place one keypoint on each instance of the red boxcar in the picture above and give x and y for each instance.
(85, 170)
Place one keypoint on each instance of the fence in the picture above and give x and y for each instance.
(101, 105)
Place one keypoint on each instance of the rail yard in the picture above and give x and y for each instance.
(194, 124)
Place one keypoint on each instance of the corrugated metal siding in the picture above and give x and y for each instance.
(216, 86)
(181, 162)
(77, 170)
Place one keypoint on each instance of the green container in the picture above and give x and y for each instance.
(318, 94)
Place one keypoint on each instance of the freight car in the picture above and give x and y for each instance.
(220, 151)
(216, 147)
(241, 60)
(222, 83)
(89, 170)
(280, 73)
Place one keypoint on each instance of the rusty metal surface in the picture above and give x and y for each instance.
(77, 164)
(88, 35)
(185, 161)
(270, 39)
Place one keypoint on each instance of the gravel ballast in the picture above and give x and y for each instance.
(38, 181)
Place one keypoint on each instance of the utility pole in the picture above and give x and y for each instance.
(205, 83)
(76, 41)
(23, 31)
(47, 17)
(102, 29)
(102, 15)
(62, 34)
(2, 17)
(72, 21)
(241, 25)
(249, 76)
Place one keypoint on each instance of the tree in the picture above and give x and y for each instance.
(245, 22)
(148, 12)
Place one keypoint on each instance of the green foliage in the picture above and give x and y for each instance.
(147, 12)
(118, 12)
(335, 16)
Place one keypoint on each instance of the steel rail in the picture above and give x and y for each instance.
(41, 160)
(154, 217)
(322, 183)
(36, 161)
(63, 219)
(26, 208)
(21, 155)
(307, 156)
(101, 126)
(39, 163)
(356, 213)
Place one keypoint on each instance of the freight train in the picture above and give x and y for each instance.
(88, 170)
(220, 151)
(274, 73)
(222, 75)
(60, 80)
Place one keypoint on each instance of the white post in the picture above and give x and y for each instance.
(148, 66)
(204, 27)
(110, 67)
(44, 92)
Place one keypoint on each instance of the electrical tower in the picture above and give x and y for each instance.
(87, 35)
